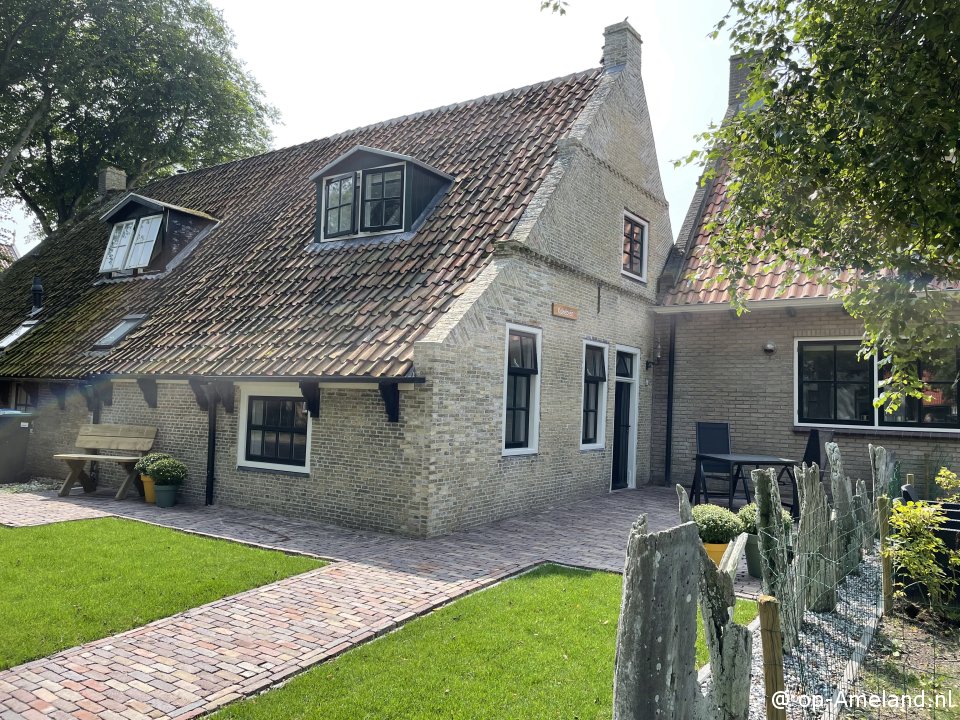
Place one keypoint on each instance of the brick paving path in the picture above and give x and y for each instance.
(199, 660)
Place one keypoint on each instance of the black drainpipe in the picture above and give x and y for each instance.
(668, 445)
(211, 440)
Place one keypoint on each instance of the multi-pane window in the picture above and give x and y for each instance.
(338, 210)
(634, 246)
(131, 245)
(382, 199)
(938, 405)
(594, 391)
(835, 385)
(277, 430)
(522, 387)
(24, 397)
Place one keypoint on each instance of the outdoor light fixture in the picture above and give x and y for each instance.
(770, 348)
(655, 360)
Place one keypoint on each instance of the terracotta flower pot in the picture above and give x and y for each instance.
(148, 493)
(716, 551)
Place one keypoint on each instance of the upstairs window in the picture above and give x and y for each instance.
(634, 247)
(339, 207)
(382, 199)
(21, 330)
(522, 391)
(131, 244)
(119, 332)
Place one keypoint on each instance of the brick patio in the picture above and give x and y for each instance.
(199, 660)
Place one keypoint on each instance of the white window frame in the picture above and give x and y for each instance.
(138, 241)
(284, 390)
(358, 203)
(602, 393)
(876, 427)
(533, 432)
(634, 409)
(17, 333)
(646, 246)
(135, 322)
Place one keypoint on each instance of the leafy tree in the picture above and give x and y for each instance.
(147, 85)
(842, 163)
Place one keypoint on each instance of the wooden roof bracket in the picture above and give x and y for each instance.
(148, 386)
(390, 392)
(310, 389)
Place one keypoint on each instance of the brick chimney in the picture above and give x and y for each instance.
(111, 179)
(741, 66)
(621, 45)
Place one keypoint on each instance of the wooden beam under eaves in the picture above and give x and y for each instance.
(390, 392)
(148, 386)
(311, 393)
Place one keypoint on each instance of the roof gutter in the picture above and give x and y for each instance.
(331, 379)
(751, 305)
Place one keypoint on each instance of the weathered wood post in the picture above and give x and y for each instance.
(814, 544)
(777, 581)
(772, 644)
(848, 537)
(886, 562)
(879, 469)
(656, 673)
(730, 645)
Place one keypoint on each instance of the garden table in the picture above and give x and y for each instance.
(736, 463)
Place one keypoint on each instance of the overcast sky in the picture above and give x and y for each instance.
(330, 67)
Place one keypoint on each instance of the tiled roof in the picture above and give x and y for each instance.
(695, 286)
(8, 255)
(254, 298)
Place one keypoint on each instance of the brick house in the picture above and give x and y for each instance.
(787, 366)
(417, 326)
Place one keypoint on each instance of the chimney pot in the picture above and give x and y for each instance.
(621, 45)
(37, 291)
(111, 179)
(741, 65)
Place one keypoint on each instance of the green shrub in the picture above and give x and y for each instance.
(716, 524)
(921, 558)
(145, 464)
(168, 471)
(749, 514)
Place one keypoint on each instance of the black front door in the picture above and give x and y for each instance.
(621, 435)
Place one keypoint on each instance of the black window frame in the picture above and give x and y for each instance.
(382, 170)
(517, 399)
(279, 428)
(29, 395)
(590, 411)
(327, 182)
(918, 423)
(871, 382)
(632, 248)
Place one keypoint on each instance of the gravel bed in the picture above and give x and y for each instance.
(827, 642)
(35, 485)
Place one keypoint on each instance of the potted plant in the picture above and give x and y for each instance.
(168, 474)
(748, 519)
(717, 527)
(143, 467)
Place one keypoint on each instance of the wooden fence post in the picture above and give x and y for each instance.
(886, 562)
(772, 644)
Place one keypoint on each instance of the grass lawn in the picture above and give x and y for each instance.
(537, 646)
(68, 583)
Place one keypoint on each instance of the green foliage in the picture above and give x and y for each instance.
(147, 85)
(541, 645)
(69, 583)
(716, 524)
(842, 163)
(168, 471)
(749, 514)
(145, 463)
(922, 560)
(949, 484)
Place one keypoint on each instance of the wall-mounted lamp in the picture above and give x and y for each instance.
(770, 348)
(655, 360)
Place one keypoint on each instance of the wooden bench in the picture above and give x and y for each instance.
(132, 440)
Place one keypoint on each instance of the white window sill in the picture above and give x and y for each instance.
(516, 452)
(274, 468)
(893, 430)
(593, 446)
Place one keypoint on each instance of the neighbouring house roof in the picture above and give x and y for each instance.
(690, 276)
(256, 297)
(8, 255)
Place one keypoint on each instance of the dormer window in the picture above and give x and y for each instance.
(131, 244)
(382, 199)
(21, 330)
(367, 191)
